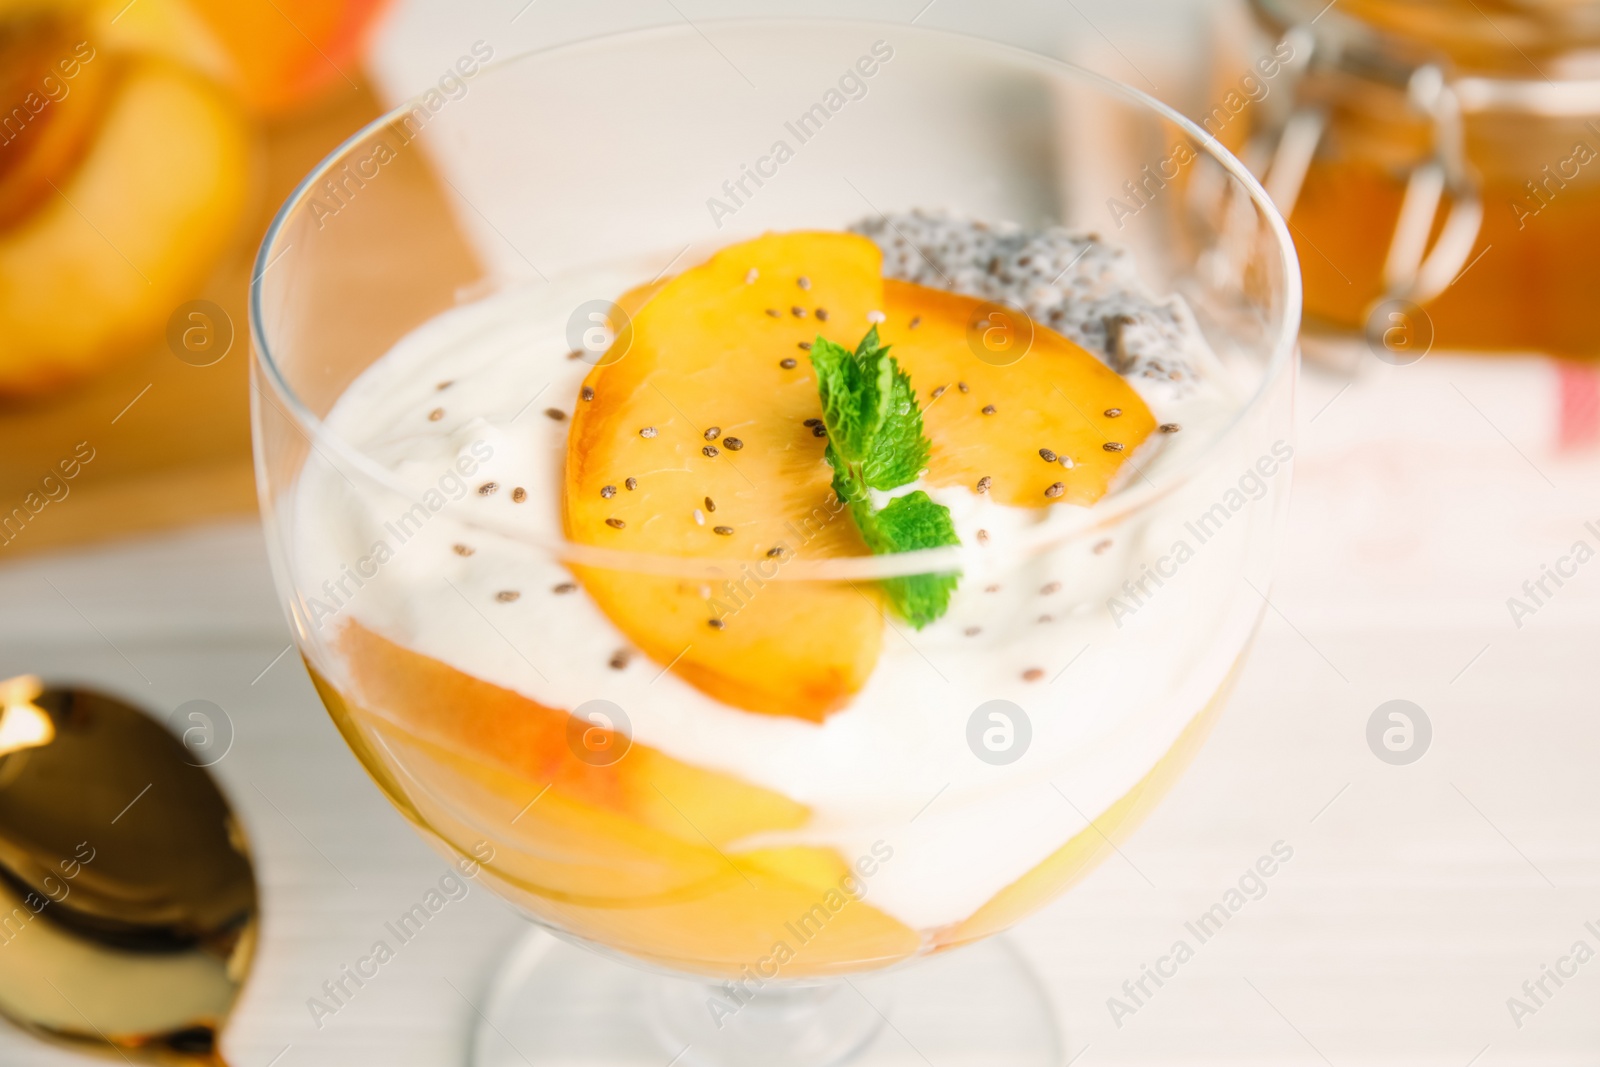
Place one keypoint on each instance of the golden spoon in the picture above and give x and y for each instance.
(128, 902)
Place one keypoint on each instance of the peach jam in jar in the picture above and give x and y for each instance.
(1441, 157)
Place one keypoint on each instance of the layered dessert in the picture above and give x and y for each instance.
(635, 618)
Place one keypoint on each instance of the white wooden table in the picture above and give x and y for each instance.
(1418, 899)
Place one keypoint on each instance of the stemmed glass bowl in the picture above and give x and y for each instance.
(773, 876)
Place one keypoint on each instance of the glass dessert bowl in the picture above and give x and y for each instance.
(794, 548)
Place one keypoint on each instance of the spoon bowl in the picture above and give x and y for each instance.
(128, 902)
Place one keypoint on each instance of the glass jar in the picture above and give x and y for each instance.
(1439, 156)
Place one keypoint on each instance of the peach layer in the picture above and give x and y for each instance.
(643, 856)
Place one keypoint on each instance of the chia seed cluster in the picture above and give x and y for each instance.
(1074, 283)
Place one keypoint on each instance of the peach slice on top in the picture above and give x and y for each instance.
(695, 444)
(699, 436)
(1053, 427)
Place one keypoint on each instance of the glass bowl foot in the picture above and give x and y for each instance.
(554, 1003)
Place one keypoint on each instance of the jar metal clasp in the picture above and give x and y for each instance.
(1412, 270)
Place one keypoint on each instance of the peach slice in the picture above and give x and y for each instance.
(499, 728)
(639, 856)
(991, 421)
(106, 258)
(715, 361)
(704, 414)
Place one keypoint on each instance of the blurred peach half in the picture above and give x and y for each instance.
(126, 158)
(277, 56)
(121, 182)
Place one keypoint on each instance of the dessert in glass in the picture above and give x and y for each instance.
(769, 516)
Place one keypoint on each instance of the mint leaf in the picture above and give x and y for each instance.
(900, 452)
(875, 441)
(855, 396)
(910, 522)
(906, 524)
(871, 413)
